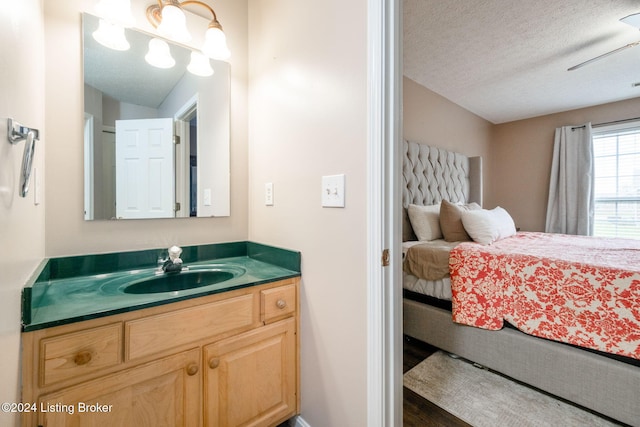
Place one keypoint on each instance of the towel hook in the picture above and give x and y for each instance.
(16, 133)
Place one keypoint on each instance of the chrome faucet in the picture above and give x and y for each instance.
(174, 263)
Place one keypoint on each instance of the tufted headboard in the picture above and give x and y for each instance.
(431, 174)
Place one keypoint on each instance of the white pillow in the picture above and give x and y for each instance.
(425, 221)
(487, 226)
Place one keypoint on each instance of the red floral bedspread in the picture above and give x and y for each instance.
(579, 290)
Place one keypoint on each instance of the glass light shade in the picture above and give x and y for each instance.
(174, 24)
(116, 11)
(159, 54)
(200, 65)
(111, 36)
(215, 44)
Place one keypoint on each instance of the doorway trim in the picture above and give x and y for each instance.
(182, 166)
(89, 190)
(384, 304)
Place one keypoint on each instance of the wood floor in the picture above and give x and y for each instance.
(417, 410)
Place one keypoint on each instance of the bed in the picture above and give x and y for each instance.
(597, 380)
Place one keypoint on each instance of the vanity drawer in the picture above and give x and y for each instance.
(276, 303)
(161, 332)
(79, 353)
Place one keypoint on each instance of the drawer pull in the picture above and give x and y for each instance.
(82, 358)
(192, 369)
(281, 304)
(214, 362)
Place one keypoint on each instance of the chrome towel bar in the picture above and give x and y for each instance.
(15, 134)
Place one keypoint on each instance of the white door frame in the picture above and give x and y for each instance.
(89, 190)
(384, 334)
(182, 162)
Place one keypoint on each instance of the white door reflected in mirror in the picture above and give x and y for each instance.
(144, 169)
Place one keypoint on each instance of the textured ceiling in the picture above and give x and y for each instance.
(507, 60)
(125, 75)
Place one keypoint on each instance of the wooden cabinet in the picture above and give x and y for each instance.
(153, 334)
(251, 379)
(228, 359)
(77, 353)
(165, 392)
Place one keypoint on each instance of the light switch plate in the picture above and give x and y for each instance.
(333, 191)
(206, 197)
(268, 194)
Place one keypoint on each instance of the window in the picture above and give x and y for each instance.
(616, 152)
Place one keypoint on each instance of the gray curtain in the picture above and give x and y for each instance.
(571, 200)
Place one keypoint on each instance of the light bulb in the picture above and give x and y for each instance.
(174, 24)
(215, 44)
(159, 54)
(200, 65)
(111, 36)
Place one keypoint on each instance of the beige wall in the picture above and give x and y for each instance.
(516, 155)
(521, 154)
(66, 231)
(308, 118)
(430, 119)
(21, 222)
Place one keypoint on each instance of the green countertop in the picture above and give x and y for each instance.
(72, 289)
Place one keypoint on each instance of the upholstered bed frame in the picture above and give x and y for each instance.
(602, 384)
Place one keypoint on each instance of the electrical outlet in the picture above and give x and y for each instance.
(333, 191)
(268, 194)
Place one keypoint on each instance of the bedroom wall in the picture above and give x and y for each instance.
(521, 153)
(431, 119)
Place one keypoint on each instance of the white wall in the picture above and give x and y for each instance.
(21, 222)
(308, 118)
(66, 231)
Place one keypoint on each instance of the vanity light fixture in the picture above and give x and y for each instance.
(169, 18)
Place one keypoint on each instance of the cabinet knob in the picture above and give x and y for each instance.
(82, 358)
(192, 369)
(281, 303)
(214, 362)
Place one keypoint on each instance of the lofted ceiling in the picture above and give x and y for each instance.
(124, 75)
(507, 60)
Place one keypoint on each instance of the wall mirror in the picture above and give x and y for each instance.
(134, 166)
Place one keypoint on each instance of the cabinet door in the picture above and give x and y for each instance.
(250, 380)
(165, 392)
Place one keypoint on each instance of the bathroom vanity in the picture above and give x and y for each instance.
(223, 354)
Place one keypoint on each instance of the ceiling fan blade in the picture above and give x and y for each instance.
(604, 55)
(633, 20)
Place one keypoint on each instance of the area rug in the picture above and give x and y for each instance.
(483, 398)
